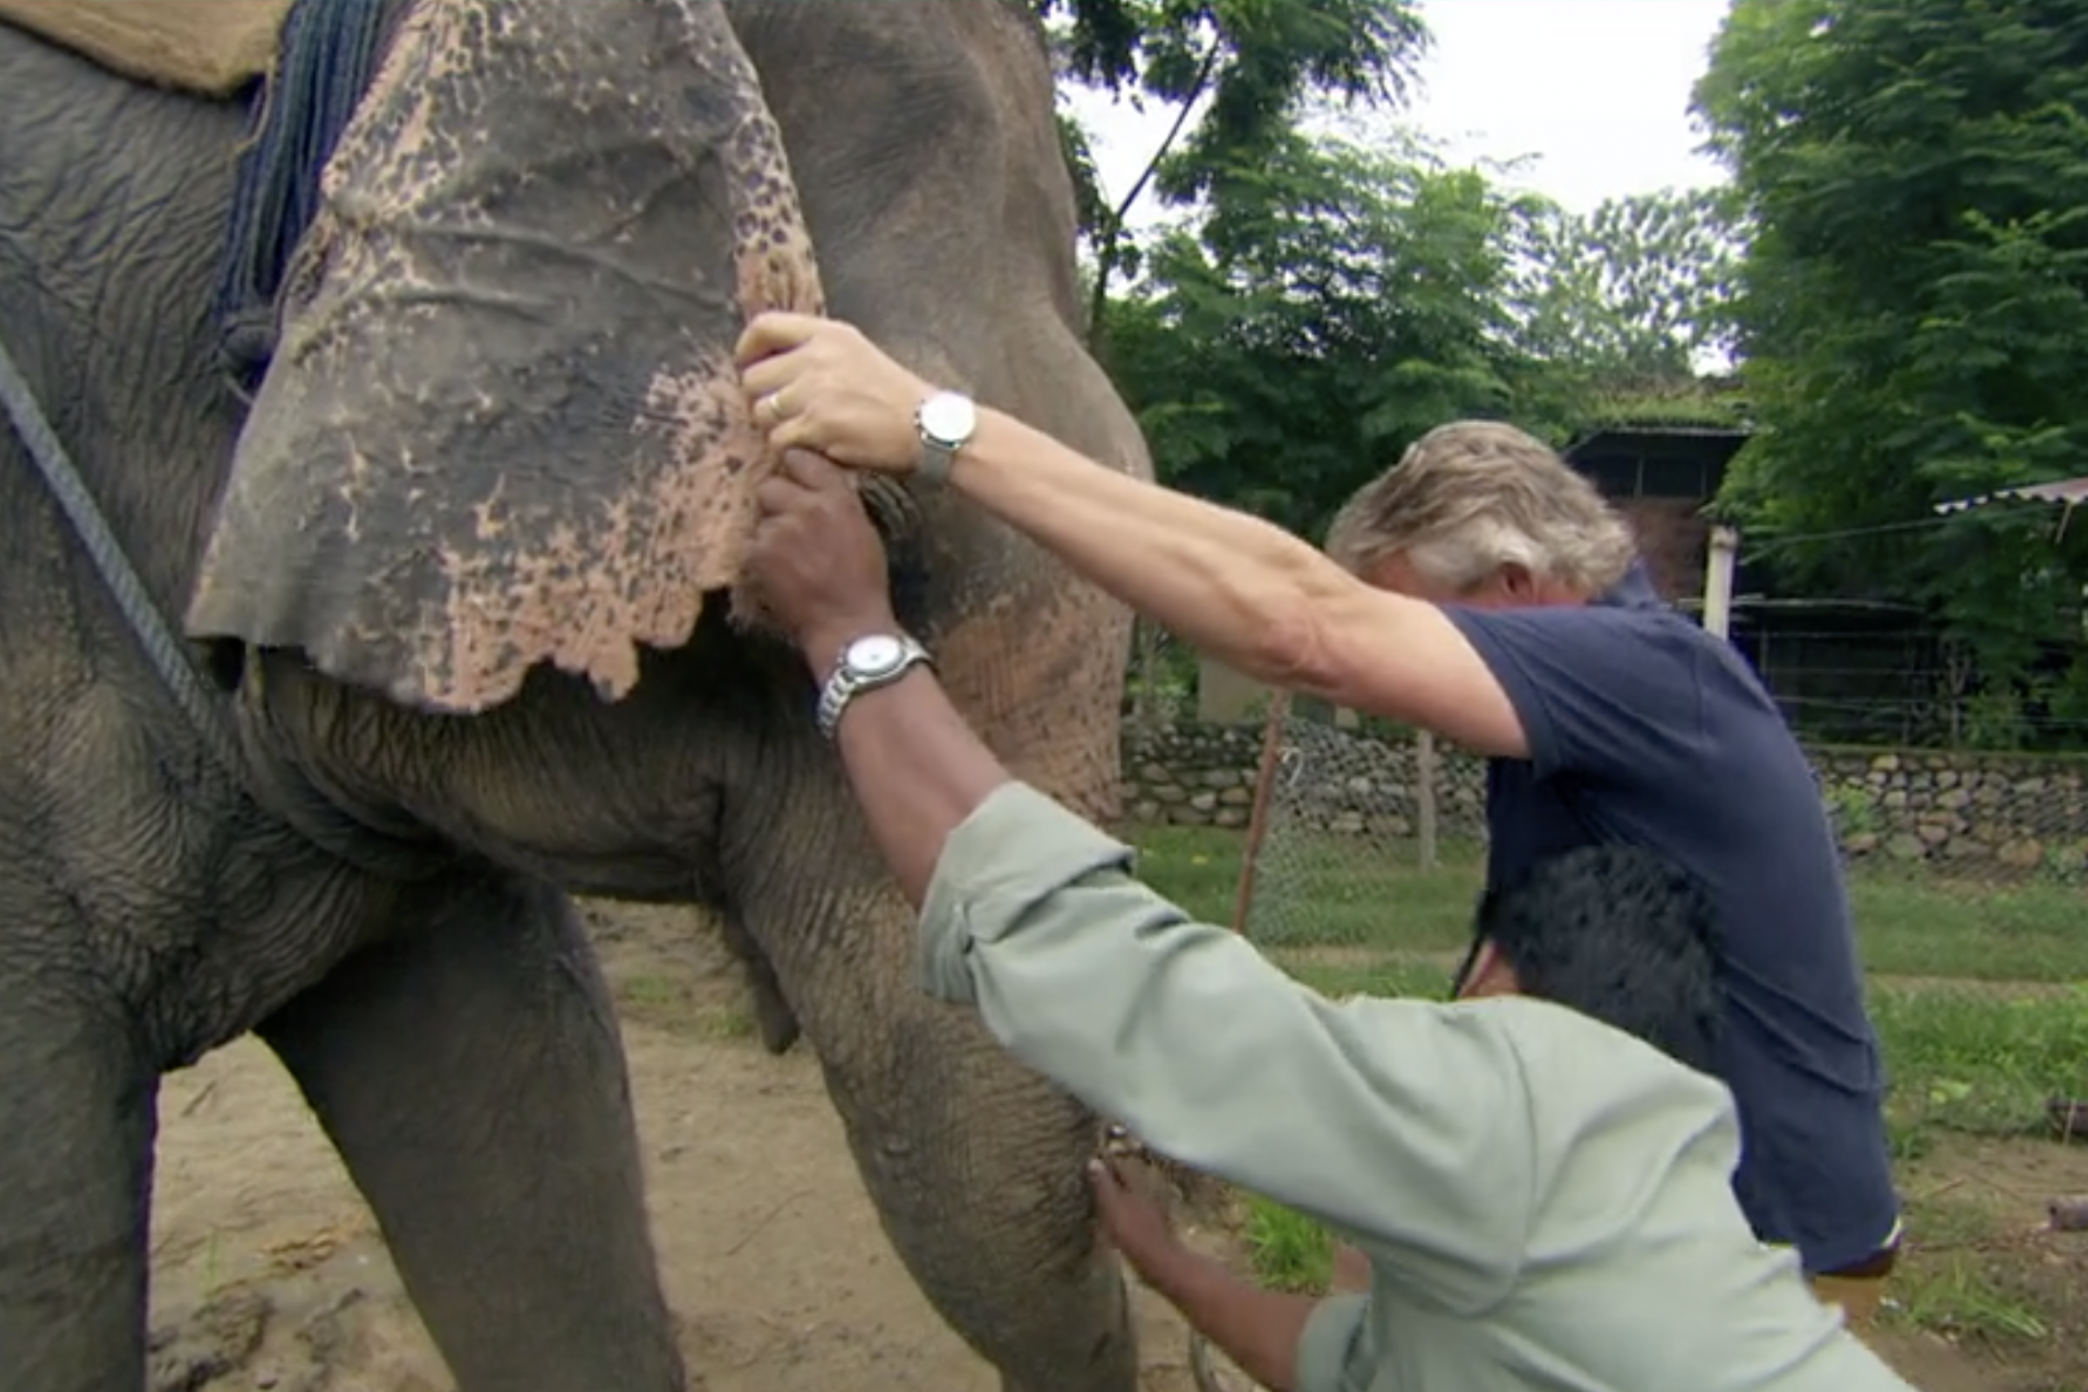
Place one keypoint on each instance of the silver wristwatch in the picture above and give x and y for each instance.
(946, 421)
(874, 660)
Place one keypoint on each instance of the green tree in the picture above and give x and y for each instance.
(1306, 329)
(1913, 308)
(1235, 73)
(1636, 290)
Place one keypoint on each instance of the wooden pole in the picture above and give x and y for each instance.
(1258, 816)
(1425, 796)
(1718, 580)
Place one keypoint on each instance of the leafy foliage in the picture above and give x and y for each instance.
(1236, 72)
(1255, 60)
(1289, 344)
(1637, 289)
(1340, 303)
(1914, 305)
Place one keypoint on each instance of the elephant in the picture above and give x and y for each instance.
(459, 577)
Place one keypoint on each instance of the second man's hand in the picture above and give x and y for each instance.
(816, 561)
(915, 766)
(1259, 1330)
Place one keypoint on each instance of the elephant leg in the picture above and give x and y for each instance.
(75, 1183)
(976, 1165)
(470, 1073)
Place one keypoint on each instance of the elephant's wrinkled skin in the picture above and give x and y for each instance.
(464, 460)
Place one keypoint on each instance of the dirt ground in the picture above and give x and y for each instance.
(267, 1272)
(268, 1275)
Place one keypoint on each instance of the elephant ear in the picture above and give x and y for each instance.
(503, 427)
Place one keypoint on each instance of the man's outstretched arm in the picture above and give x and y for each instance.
(1182, 1031)
(1239, 588)
(917, 771)
(1262, 1331)
(920, 774)
(1231, 585)
(1285, 1342)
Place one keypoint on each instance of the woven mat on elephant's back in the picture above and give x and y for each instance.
(209, 47)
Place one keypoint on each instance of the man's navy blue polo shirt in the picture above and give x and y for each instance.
(1644, 729)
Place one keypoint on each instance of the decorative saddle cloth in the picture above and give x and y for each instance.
(212, 48)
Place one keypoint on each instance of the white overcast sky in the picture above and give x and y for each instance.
(1597, 91)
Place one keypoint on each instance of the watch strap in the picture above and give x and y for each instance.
(935, 461)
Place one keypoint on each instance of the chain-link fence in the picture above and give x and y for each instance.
(1344, 832)
(1961, 863)
(1162, 680)
(1341, 818)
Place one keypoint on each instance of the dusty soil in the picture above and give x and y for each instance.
(268, 1275)
(267, 1272)
(1982, 1252)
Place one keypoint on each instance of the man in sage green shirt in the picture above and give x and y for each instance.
(1544, 1199)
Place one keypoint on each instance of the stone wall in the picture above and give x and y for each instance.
(1337, 780)
(1976, 813)
(2020, 814)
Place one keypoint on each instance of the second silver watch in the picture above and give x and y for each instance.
(868, 662)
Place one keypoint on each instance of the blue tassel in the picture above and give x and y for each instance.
(330, 53)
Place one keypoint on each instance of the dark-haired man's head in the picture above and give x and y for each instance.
(1615, 932)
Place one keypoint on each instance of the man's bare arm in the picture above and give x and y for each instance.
(1259, 1330)
(1234, 586)
(1240, 589)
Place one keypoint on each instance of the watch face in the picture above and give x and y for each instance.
(948, 418)
(873, 655)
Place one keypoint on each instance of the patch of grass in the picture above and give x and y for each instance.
(1945, 1220)
(666, 1002)
(734, 1021)
(1365, 898)
(212, 1277)
(1916, 926)
(1979, 1062)
(1953, 1293)
(1359, 897)
(1390, 976)
(654, 993)
(1290, 1251)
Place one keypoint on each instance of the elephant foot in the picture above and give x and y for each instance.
(774, 1021)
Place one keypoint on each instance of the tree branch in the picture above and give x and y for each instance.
(1113, 230)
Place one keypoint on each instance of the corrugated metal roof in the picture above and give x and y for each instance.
(1688, 431)
(2066, 492)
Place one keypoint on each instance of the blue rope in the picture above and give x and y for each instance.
(381, 852)
(328, 58)
(165, 651)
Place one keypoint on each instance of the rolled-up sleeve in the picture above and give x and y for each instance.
(1334, 1353)
(1405, 1125)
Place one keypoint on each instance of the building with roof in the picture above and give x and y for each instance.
(1662, 477)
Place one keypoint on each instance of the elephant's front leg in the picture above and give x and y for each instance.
(976, 1165)
(77, 1090)
(470, 1073)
